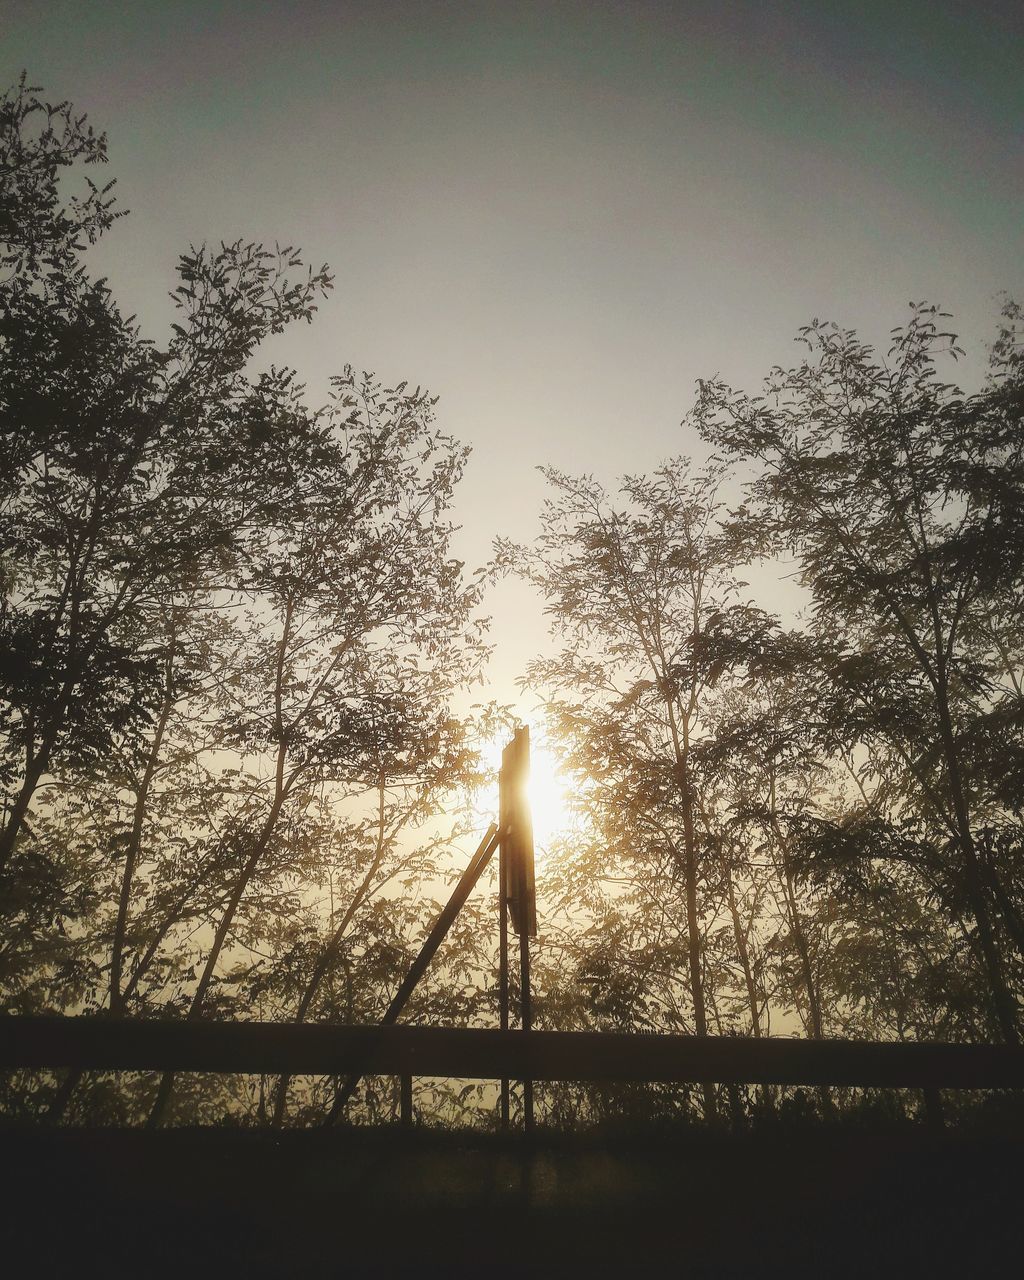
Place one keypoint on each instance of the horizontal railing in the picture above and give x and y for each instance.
(109, 1044)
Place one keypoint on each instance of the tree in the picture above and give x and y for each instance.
(228, 617)
(369, 627)
(644, 596)
(902, 499)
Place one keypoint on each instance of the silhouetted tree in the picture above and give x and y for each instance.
(902, 499)
(227, 619)
(644, 596)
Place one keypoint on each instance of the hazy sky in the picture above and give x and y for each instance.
(557, 216)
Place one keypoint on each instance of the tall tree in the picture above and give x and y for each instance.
(642, 592)
(363, 606)
(902, 499)
(200, 571)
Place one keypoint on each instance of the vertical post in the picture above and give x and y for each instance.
(406, 1101)
(518, 893)
(503, 973)
(526, 1021)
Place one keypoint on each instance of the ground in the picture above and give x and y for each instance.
(233, 1203)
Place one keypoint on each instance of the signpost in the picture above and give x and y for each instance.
(517, 899)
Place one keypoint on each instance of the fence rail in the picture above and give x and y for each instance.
(108, 1044)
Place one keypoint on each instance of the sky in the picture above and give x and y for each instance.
(558, 216)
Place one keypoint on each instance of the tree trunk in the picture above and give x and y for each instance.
(281, 791)
(135, 838)
(742, 950)
(693, 938)
(323, 964)
(1004, 1005)
(816, 1028)
(19, 810)
(223, 929)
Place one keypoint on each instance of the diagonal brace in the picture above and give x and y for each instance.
(437, 935)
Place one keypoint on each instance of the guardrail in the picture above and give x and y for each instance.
(109, 1044)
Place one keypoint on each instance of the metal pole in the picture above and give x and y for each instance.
(503, 974)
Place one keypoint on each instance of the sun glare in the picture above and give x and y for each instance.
(549, 798)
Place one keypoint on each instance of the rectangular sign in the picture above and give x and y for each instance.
(516, 827)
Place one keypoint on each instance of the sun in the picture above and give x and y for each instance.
(549, 798)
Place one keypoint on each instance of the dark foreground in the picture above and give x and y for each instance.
(216, 1202)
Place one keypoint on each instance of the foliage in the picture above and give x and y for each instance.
(901, 498)
(232, 632)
